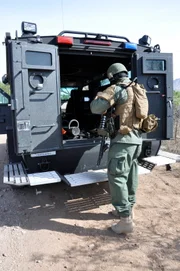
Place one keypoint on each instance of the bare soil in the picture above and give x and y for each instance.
(57, 228)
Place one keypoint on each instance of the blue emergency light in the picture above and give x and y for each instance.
(130, 46)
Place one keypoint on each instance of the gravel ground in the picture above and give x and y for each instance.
(55, 227)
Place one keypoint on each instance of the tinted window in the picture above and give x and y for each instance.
(104, 82)
(3, 100)
(38, 58)
(65, 93)
(155, 65)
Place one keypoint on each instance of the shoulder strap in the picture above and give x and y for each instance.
(123, 85)
(127, 85)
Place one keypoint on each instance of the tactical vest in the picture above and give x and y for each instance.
(127, 113)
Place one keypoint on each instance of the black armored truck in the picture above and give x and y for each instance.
(51, 131)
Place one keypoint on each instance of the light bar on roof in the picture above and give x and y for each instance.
(64, 40)
(130, 46)
(97, 42)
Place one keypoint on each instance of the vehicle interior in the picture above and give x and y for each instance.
(82, 76)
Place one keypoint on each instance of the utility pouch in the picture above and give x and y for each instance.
(149, 124)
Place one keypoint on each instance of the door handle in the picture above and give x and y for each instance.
(43, 126)
(32, 92)
(170, 103)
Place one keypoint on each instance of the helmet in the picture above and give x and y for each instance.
(115, 69)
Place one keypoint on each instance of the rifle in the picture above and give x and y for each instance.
(101, 131)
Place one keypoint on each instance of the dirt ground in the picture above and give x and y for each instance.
(57, 228)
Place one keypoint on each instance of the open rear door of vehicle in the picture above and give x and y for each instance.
(154, 71)
(5, 112)
(35, 97)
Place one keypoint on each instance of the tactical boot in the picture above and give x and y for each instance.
(125, 225)
(117, 214)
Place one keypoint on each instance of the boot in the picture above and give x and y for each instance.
(125, 225)
(117, 214)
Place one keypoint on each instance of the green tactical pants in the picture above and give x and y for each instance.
(123, 176)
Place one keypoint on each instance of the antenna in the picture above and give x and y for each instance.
(16, 35)
(62, 11)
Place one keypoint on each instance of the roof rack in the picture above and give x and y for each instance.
(92, 35)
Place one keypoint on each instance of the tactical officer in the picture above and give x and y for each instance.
(125, 147)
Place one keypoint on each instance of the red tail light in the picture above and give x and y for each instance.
(98, 42)
(64, 40)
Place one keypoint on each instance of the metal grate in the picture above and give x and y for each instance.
(146, 164)
(89, 203)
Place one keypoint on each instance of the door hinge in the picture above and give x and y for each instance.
(13, 104)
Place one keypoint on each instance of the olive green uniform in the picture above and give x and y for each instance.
(122, 157)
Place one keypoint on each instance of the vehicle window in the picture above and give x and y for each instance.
(3, 97)
(38, 58)
(104, 82)
(65, 93)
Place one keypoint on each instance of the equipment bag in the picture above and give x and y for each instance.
(141, 101)
(149, 123)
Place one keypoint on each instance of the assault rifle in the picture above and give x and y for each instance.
(109, 126)
(102, 131)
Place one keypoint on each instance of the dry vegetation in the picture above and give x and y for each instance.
(174, 145)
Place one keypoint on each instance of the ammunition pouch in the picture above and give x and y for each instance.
(149, 124)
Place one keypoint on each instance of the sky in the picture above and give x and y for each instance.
(158, 19)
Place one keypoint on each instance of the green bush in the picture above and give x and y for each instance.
(177, 98)
(6, 88)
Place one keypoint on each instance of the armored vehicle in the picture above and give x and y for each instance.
(51, 132)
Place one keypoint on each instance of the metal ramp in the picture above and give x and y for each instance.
(159, 160)
(97, 176)
(170, 155)
(86, 178)
(91, 177)
(42, 178)
(15, 174)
